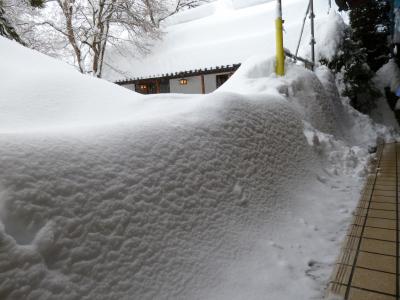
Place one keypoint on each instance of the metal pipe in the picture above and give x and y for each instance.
(280, 55)
(302, 30)
(308, 64)
(312, 17)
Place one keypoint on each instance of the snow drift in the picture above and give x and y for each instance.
(135, 209)
(107, 194)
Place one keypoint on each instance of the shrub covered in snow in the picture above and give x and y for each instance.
(354, 73)
(364, 49)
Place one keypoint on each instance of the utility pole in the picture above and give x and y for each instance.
(280, 55)
(312, 43)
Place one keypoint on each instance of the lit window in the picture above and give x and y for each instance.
(183, 81)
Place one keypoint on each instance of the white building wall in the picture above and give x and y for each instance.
(192, 87)
(210, 82)
(129, 86)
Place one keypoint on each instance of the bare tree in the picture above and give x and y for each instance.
(10, 10)
(90, 26)
(81, 31)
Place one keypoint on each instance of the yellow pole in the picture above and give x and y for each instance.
(280, 55)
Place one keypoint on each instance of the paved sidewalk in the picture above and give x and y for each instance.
(368, 267)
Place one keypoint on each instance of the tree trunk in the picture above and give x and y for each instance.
(68, 11)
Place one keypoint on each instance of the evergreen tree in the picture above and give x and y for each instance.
(365, 49)
(370, 22)
(37, 3)
(352, 63)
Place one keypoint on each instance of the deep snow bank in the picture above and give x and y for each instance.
(33, 97)
(135, 209)
(143, 212)
(107, 196)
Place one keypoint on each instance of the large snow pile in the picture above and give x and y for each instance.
(387, 77)
(107, 194)
(199, 38)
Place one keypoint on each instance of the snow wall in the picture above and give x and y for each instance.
(107, 194)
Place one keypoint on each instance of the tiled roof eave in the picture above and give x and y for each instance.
(182, 74)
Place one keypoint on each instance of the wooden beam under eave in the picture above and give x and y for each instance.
(158, 87)
(203, 85)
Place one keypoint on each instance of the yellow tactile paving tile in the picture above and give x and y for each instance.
(356, 231)
(368, 266)
(335, 289)
(352, 243)
(347, 256)
(363, 204)
(343, 273)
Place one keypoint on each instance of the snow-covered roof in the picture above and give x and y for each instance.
(224, 32)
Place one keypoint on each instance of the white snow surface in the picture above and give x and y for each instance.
(225, 32)
(244, 193)
(388, 76)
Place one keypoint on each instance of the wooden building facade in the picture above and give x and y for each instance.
(200, 81)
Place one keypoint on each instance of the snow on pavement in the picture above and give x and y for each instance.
(107, 194)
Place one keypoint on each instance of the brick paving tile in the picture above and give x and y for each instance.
(368, 266)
